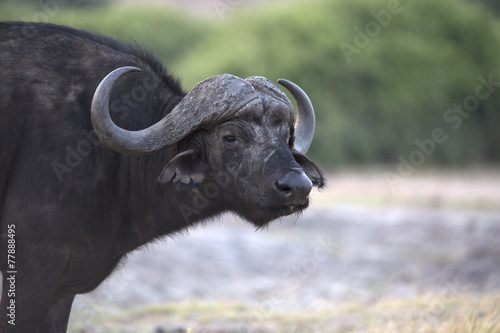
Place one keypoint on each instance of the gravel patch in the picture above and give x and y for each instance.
(327, 255)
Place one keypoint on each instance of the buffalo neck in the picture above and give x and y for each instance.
(154, 209)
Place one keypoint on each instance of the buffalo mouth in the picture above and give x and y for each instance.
(291, 209)
(270, 213)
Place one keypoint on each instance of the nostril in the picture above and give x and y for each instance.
(294, 186)
(283, 187)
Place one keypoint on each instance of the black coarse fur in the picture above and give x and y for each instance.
(77, 207)
(71, 208)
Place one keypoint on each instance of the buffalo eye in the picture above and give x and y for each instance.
(230, 139)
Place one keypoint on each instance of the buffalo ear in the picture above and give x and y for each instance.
(184, 168)
(311, 170)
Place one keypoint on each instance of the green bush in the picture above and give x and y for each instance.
(493, 5)
(168, 32)
(394, 89)
(381, 73)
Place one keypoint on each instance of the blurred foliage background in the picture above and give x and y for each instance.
(381, 73)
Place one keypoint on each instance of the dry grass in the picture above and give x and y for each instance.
(428, 313)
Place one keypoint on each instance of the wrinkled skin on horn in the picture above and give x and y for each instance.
(238, 134)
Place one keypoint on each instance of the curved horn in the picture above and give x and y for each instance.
(306, 121)
(211, 101)
(111, 135)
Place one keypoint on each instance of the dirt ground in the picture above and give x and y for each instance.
(361, 240)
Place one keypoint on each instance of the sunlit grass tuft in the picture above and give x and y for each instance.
(425, 314)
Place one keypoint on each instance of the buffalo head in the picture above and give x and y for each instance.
(241, 129)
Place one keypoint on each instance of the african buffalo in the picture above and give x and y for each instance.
(101, 152)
